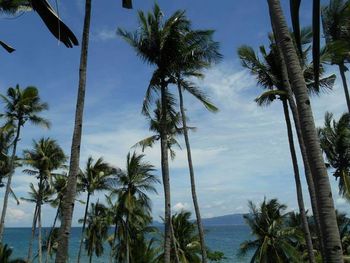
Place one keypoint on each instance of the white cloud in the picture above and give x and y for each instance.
(104, 34)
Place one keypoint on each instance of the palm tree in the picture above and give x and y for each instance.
(336, 22)
(38, 196)
(156, 42)
(97, 176)
(5, 254)
(269, 76)
(134, 185)
(45, 157)
(325, 204)
(69, 197)
(47, 14)
(97, 230)
(173, 127)
(335, 143)
(274, 241)
(21, 106)
(199, 51)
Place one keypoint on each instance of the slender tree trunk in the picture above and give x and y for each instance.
(113, 243)
(342, 70)
(307, 170)
(176, 251)
(69, 196)
(9, 180)
(90, 258)
(30, 249)
(165, 175)
(325, 203)
(192, 178)
(298, 187)
(51, 231)
(40, 257)
(84, 223)
(127, 240)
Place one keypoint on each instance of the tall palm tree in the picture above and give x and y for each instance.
(274, 241)
(335, 143)
(332, 244)
(97, 176)
(69, 197)
(40, 195)
(45, 157)
(336, 28)
(21, 106)
(199, 51)
(52, 21)
(268, 73)
(156, 42)
(97, 230)
(133, 186)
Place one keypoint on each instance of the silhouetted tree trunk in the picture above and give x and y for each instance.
(69, 196)
(342, 70)
(84, 224)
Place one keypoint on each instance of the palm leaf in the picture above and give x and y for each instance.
(8, 48)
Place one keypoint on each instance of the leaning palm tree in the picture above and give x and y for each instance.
(335, 143)
(45, 157)
(156, 42)
(97, 176)
(40, 195)
(69, 197)
(21, 106)
(133, 186)
(268, 72)
(325, 204)
(273, 240)
(336, 28)
(97, 230)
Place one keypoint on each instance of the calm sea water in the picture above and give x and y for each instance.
(223, 238)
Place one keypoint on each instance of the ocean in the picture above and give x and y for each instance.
(223, 238)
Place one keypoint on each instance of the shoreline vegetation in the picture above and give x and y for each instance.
(294, 64)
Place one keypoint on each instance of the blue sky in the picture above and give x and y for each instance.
(240, 153)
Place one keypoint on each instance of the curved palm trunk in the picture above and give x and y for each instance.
(50, 234)
(165, 176)
(84, 223)
(342, 70)
(298, 187)
(307, 170)
(176, 251)
(30, 249)
(325, 203)
(9, 180)
(192, 178)
(69, 197)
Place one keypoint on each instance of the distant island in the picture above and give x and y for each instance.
(225, 220)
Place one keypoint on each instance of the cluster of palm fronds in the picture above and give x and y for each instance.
(277, 235)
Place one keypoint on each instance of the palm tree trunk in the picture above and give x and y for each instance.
(307, 170)
(84, 223)
(325, 203)
(51, 231)
(90, 258)
(300, 199)
(69, 196)
(342, 70)
(176, 251)
(39, 235)
(165, 175)
(192, 178)
(30, 249)
(113, 243)
(9, 180)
